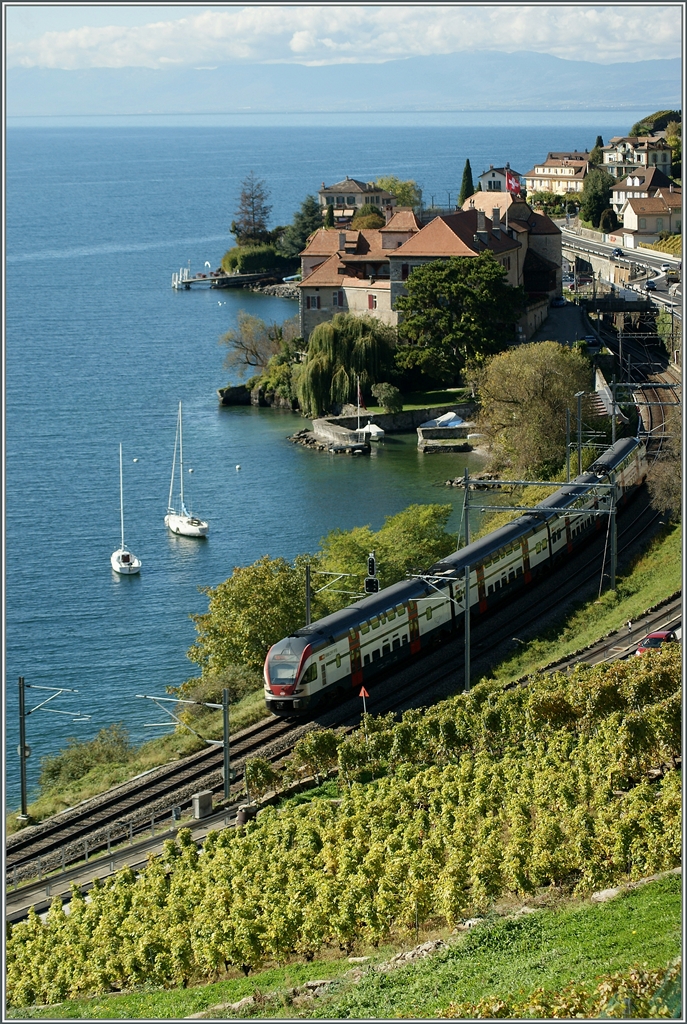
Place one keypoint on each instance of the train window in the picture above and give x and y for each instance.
(364, 627)
(400, 608)
(429, 611)
(374, 622)
(382, 616)
(376, 655)
(352, 634)
(405, 638)
(386, 649)
(367, 659)
(324, 674)
(412, 606)
(310, 673)
(491, 589)
(391, 614)
(338, 661)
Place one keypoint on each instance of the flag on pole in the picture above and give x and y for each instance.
(512, 183)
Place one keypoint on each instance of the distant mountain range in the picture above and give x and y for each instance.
(483, 80)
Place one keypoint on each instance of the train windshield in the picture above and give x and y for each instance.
(284, 659)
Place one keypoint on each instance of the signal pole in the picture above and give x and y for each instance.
(467, 629)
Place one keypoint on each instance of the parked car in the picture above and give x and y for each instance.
(649, 286)
(558, 301)
(655, 640)
(592, 342)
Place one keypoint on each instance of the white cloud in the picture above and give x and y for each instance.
(332, 34)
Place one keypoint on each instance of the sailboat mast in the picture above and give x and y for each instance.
(181, 462)
(121, 493)
(170, 507)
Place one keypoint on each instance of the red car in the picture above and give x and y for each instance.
(654, 640)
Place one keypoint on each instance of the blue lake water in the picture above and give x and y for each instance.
(100, 349)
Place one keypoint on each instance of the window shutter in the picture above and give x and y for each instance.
(404, 271)
(341, 298)
(370, 302)
(318, 301)
(307, 302)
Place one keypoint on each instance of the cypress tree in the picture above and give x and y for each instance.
(467, 187)
(329, 217)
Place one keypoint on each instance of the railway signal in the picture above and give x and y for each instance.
(371, 581)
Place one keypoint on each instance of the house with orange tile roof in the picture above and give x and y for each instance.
(644, 220)
(639, 184)
(365, 271)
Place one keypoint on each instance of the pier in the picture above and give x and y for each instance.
(183, 281)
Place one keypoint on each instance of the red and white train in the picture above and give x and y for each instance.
(351, 647)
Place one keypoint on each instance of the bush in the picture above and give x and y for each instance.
(256, 259)
(110, 746)
(389, 397)
(368, 216)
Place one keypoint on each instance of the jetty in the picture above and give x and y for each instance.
(183, 281)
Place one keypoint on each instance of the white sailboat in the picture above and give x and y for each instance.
(181, 521)
(122, 560)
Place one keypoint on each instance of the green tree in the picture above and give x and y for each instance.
(258, 605)
(339, 351)
(665, 478)
(456, 309)
(655, 122)
(329, 216)
(467, 187)
(524, 393)
(305, 221)
(608, 220)
(252, 213)
(596, 156)
(368, 216)
(407, 193)
(596, 195)
(252, 343)
(388, 396)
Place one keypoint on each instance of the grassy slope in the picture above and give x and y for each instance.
(549, 948)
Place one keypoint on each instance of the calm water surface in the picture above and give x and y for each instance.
(99, 350)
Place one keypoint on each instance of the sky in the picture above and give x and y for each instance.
(177, 36)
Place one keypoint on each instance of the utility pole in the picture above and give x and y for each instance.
(567, 445)
(467, 629)
(225, 733)
(614, 536)
(307, 593)
(22, 748)
(578, 396)
(613, 411)
(466, 506)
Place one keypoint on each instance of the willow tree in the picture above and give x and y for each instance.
(341, 351)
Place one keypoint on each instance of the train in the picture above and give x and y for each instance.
(350, 648)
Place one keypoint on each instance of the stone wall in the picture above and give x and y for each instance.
(403, 422)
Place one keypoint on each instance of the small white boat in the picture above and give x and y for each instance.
(122, 560)
(181, 521)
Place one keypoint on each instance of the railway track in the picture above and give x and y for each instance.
(109, 817)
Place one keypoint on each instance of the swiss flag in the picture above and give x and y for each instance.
(512, 183)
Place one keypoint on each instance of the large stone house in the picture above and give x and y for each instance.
(640, 184)
(348, 196)
(559, 173)
(365, 271)
(625, 153)
(644, 220)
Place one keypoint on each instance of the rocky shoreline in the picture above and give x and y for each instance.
(281, 291)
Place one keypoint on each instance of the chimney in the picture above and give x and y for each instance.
(342, 240)
(496, 221)
(491, 167)
(481, 233)
(388, 213)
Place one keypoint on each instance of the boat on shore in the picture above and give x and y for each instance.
(179, 520)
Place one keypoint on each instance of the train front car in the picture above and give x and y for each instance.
(286, 666)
